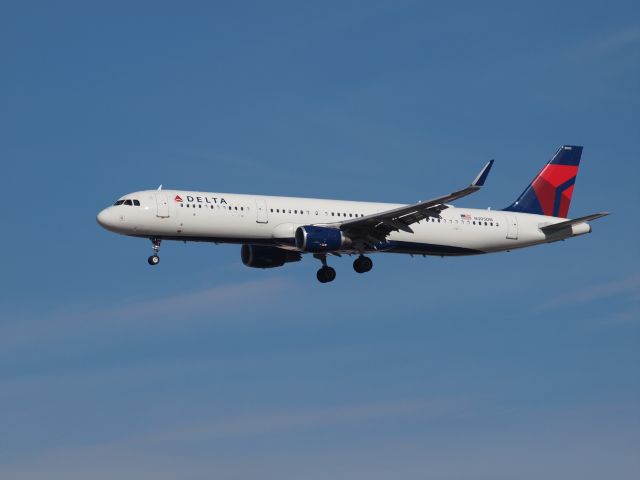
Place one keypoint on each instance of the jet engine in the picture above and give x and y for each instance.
(310, 238)
(258, 256)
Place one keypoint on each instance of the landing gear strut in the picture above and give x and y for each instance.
(326, 273)
(362, 264)
(155, 259)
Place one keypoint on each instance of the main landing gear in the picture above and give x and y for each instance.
(362, 264)
(155, 259)
(326, 273)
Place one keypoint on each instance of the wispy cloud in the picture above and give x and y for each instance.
(616, 41)
(608, 44)
(228, 430)
(264, 423)
(625, 286)
(625, 317)
(523, 448)
(175, 308)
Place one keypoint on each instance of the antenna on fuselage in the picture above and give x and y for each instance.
(160, 187)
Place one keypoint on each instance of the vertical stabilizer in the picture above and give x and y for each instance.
(550, 192)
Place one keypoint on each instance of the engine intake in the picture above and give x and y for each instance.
(258, 256)
(310, 238)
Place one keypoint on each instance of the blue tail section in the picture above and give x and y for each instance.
(551, 191)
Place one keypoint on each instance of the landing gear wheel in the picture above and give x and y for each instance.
(155, 259)
(326, 274)
(362, 264)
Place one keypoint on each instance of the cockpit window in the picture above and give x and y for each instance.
(130, 202)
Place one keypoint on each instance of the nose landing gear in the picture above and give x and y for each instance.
(362, 264)
(154, 259)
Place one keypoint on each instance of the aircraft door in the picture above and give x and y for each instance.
(261, 211)
(512, 227)
(162, 206)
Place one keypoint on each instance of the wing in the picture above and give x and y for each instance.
(376, 227)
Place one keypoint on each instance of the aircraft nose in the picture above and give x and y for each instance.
(105, 218)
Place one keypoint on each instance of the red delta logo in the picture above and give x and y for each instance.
(178, 198)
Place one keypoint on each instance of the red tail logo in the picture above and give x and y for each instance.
(550, 192)
(554, 188)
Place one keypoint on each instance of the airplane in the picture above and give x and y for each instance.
(276, 230)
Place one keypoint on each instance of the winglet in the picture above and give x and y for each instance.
(482, 176)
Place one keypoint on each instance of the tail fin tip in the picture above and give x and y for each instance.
(567, 155)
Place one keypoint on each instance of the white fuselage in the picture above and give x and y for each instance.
(271, 220)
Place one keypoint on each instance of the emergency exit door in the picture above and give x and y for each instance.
(512, 227)
(262, 215)
(162, 206)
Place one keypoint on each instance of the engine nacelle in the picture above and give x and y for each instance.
(320, 239)
(258, 256)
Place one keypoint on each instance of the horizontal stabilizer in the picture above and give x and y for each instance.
(568, 223)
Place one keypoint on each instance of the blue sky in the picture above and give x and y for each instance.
(509, 365)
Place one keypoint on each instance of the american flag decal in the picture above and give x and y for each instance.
(464, 216)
